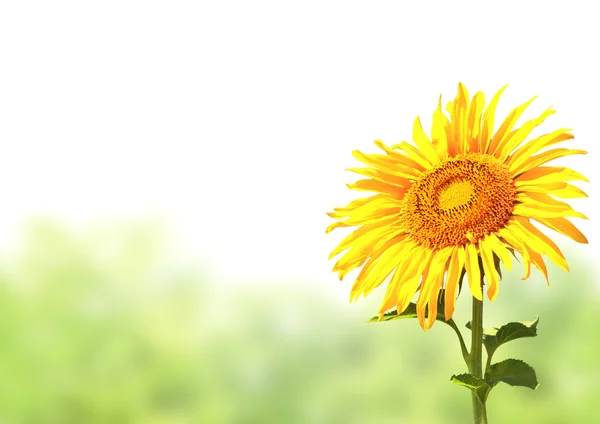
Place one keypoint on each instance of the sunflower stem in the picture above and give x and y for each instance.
(475, 365)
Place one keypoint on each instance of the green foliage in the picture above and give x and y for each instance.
(513, 372)
(497, 336)
(507, 333)
(87, 336)
(409, 312)
(106, 327)
(480, 387)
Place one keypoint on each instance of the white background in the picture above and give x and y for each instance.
(236, 120)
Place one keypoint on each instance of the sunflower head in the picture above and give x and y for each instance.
(458, 202)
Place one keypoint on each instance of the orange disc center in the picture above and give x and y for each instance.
(468, 194)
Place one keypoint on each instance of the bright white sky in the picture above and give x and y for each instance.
(237, 119)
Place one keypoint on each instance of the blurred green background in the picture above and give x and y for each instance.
(106, 326)
(235, 120)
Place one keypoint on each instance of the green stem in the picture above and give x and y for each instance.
(479, 412)
(487, 363)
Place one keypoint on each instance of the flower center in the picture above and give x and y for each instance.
(455, 193)
(461, 199)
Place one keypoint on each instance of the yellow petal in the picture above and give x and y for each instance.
(437, 266)
(375, 267)
(366, 235)
(507, 145)
(399, 157)
(487, 124)
(378, 186)
(569, 192)
(391, 294)
(432, 302)
(458, 114)
(412, 254)
(533, 211)
(387, 262)
(387, 165)
(563, 226)
(414, 273)
(542, 158)
(507, 126)
(373, 261)
(537, 144)
(335, 225)
(454, 272)
(439, 127)
(473, 271)
(516, 244)
(543, 201)
(423, 143)
(529, 254)
(474, 122)
(562, 190)
(548, 174)
(539, 242)
(500, 250)
(369, 212)
(414, 153)
(537, 260)
(384, 177)
(356, 204)
(359, 252)
(351, 260)
(487, 258)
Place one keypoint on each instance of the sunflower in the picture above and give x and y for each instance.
(458, 203)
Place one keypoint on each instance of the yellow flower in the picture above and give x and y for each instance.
(465, 197)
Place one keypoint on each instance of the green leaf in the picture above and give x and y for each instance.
(513, 372)
(516, 330)
(477, 385)
(411, 311)
(497, 336)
